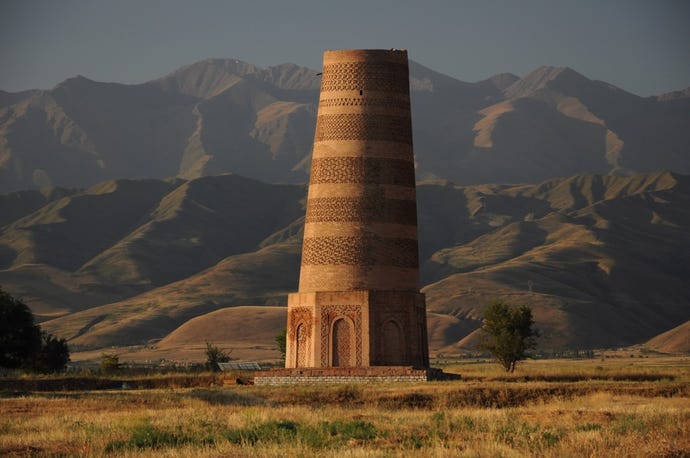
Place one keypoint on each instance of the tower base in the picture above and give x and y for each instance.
(348, 375)
(356, 329)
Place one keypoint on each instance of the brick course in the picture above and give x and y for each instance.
(338, 375)
(358, 302)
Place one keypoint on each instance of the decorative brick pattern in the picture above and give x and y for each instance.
(390, 102)
(341, 341)
(363, 126)
(296, 316)
(299, 332)
(330, 313)
(360, 260)
(365, 76)
(302, 341)
(370, 208)
(365, 170)
(370, 250)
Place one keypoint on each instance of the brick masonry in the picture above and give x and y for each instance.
(358, 303)
(340, 375)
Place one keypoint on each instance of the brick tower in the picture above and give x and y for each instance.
(359, 302)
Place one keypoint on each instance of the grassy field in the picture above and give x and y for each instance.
(612, 407)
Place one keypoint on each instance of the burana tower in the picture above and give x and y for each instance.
(359, 302)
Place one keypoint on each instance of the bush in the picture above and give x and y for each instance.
(22, 342)
(215, 355)
(110, 363)
(326, 434)
(53, 356)
(146, 436)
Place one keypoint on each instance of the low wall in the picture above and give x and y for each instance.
(333, 375)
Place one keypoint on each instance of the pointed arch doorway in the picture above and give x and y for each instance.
(342, 343)
(392, 340)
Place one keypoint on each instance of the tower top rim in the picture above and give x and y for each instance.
(344, 55)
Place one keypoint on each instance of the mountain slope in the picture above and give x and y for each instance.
(196, 225)
(232, 326)
(16, 205)
(262, 277)
(223, 115)
(200, 120)
(605, 258)
(67, 232)
(609, 273)
(676, 340)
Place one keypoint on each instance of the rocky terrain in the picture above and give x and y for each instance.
(602, 260)
(227, 116)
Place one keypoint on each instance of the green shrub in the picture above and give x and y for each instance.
(354, 429)
(110, 363)
(145, 435)
(588, 427)
(630, 424)
(327, 434)
(271, 431)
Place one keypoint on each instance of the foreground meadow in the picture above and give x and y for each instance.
(612, 408)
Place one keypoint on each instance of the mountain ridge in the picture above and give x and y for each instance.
(225, 115)
(580, 250)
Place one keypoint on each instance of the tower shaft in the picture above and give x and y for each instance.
(358, 302)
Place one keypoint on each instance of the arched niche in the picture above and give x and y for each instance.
(342, 343)
(392, 343)
(302, 345)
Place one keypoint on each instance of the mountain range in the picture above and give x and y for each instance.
(228, 116)
(171, 212)
(602, 260)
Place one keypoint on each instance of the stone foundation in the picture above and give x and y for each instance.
(335, 375)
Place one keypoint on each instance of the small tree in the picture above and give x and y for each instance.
(22, 342)
(110, 363)
(281, 342)
(215, 355)
(508, 333)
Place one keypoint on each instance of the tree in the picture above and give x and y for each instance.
(53, 356)
(281, 342)
(508, 333)
(110, 363)
(20, 338)
(215, 355)
(22, 342)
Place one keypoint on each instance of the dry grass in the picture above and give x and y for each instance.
(462, 418)
(617, 365)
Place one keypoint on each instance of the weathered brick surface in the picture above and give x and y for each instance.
(358, 302)
(364, 142)
(336, 375)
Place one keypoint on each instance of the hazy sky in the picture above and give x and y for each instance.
(640, 46)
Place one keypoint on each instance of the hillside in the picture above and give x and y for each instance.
(227, 116)
(601, 262)
(676, 340)
(262, 277)
(127, 262)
